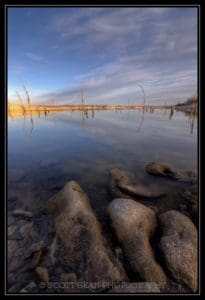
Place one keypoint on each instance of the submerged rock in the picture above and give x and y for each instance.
(178, 245)
(86, 252)
(134, 225)
(122, 186)
(160, 169)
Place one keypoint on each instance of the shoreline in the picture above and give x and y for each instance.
(17, 110)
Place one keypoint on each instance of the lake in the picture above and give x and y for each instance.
(46, 151)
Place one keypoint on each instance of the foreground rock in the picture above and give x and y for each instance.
(124, 187)
(134, 225)
(86, 252)
(178, 244)
(159, 169)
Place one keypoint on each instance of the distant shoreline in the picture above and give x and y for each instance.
(18, 110)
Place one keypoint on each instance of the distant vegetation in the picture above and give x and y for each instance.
(190, 101)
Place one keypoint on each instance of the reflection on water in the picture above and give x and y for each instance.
(86, 114)
(55, 147)
(48, 149)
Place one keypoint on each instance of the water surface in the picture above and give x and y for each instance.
(51, 149)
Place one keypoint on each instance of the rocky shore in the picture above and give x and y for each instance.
(155, 248)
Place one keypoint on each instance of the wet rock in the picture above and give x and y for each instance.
(124, 187)
(11, 229)
(178, 245)
(135, 287)
(15, 175)
(22, 213)
(80, 234)
(43, 274)
(159, 169)
(134, 224)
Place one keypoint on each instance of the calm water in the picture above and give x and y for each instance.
(45, 153)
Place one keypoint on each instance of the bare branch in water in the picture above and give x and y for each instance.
(82, 99)
(21, 102)
(27, 94)
(143, 94)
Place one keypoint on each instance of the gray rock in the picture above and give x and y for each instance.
(160, 169)
(86, 251)
(134, 225)
(123, 186)
(178, 245)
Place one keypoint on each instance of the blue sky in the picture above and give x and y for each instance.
(103, 50)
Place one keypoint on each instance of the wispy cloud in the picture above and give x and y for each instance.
(109, 51)
(34, 57)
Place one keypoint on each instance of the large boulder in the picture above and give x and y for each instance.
(123, 186)
(178, 245)
(86, 251)
(134, 224)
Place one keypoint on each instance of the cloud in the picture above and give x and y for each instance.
(118, 81)
(34, 57)
(120, 48)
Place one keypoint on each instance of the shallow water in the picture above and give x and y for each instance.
(53, 149)
(44, 152)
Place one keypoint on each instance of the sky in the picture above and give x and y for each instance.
(105, 51)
